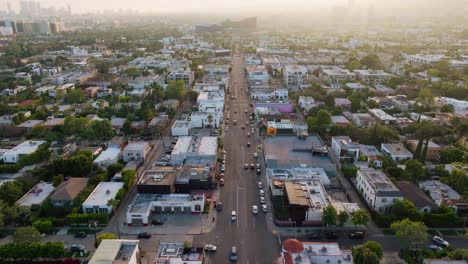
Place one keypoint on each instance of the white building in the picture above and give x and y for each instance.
(377, 190)
(108, 157)
(457, 104)
(142, 82)
(37, 195)
(180, 74)
(382, 117)
(211, 101)
(264, 95)
(372, 77)
(117, 251)
(424, 58)
(344, 148)
(314, 253)
(310, 194)
(202, 119)
(396, 151)
(144, 205)
(296, 76)
(180, 128)
(195, 148)
(97, 201)
(335, 74)
(15, 154)
(136, 151)
(257, 73)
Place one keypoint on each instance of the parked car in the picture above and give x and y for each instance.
(434, 247)
(262, 200)
(210, 248)
(252, 166)
(259, 172)
(331, 235)
(264, 208)
(81, 235)
(219, 207)
(440, 241)
(356, 235)
(315, 235)
(157, 222)
(233, 255)
(254, 209)
(145, 235)
(77, 248)
(255, 155)
(246, 166)
(260, 185)
(261, 193)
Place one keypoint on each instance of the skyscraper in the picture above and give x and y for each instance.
(30, 8)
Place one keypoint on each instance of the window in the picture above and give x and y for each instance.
(384, 200)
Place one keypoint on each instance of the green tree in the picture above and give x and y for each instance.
(353, 65)
(26, 235)
(113, 203)
(176, 90)
(447, 108)
(459, 254)
(57, 180)
(367, 253)
(132, 72)
(100, 130)
(458, 179)
(320, 122)
(452, 154)
(343, 217)
(405, 209)
(372, 61)
(356, 99)
(360, 217)
(10, 192)
(43, 226)
(329, 215)
(104, 236)
(411, 234)
(414, 170)
(75, 96)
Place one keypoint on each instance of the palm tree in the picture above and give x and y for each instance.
(210, 120)
(113, 203)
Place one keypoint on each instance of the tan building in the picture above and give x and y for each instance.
(67, 191)
(433, 150)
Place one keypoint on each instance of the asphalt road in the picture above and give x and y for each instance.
(255, 244)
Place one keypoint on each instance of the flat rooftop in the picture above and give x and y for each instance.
(369, 150)
(378, 180)
(439, 191)
(345, 142)
(103, 192)
(37, 195)
(380, 114)
(115, 251)
(158, 177)
(142, 201)
(307, 193)
(299, 174)
(136, 146)
(108, 154)
(396, 149)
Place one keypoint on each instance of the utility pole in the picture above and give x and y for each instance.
(93, 225)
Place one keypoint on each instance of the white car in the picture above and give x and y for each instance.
(262, 200)
(260, 185)
(226, 129)
(255, 155)
(261, 192)
(223, 168)
(254, 209)
(440, 241)
(264, 208)
(210, 248)
(233, 216)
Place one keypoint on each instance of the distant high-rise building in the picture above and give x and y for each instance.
(69, 9)
(10, 11)
(30, 8)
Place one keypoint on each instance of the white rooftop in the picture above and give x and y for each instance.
(37, 194)
(108, 154)
(136, 146)
(380, 114)
(103, 192)
(114, 251)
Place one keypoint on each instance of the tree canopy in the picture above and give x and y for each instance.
(411, 234)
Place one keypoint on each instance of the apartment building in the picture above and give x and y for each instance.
(296, 76)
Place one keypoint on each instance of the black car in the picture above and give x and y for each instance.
(356, 235)
(77, 248)
(81, 235)
(219, 207)
(331, 235)
(157, 222)
(315, 235)
(259, 171)
(144, 235)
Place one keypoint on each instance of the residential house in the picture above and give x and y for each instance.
(98, 200)
(136, 151)
(414, 194)
(306, 102)
(13, 155)
(343, 102)
(67, 191)
(382, 117)
(396, 152)
(433, 150)
(344, 148)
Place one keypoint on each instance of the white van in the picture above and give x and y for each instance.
(233, 216)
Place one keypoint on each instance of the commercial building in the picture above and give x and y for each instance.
(372, 77)
(194, 150)
(257, 73)
(159, 180)
(211, 101)
(136, 151)
(205, 119)
(181, 128)
(396, 152)
(37, 195)
(377, 190)
(344, 148)
(295, 252)
(13, 155)
(67, 191)
(144, 205)
(296, 76)
(282, 128)
(382, 117)
(108, 157)
(97, 201)
(117, 251)
(277, 178)
(414, 194)
(177, 253)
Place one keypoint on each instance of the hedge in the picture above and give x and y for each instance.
(102, 218)
(30, 251)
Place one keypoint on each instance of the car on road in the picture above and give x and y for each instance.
(233, 255)
(252, 166)
(223, 168)
(254, 209)
(221, 182)
(259, 171)
(81, 235)
(248, 134)
(314, 235)
(262, 200)
(261, 193)
(434, 247)
(255, 155)
(157, 222)
(331, 235)
(440, 241)
(233, 216)
(144, 235)
(260, 185)
(248, 144)
(210, 248)
(219, 206)
(246, 166)
(246, 111)
(264, 208)
(357, 235)
(77, 248)
(243, 127)
(226, 129)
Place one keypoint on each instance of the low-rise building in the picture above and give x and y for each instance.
(158, 180)
(296, 76)
(433, 150)
(141, 82)
(13, 155)
(396, 152)
(340, 121)
(414, 194)
(343, 102)
(178, 253)
(443, 261)
(278, 177)
(30, 124)
(369, 154)
(180, 128)
(335, 74)
(257, 73)
(194, 150)
(382, 117)
(372, 77)
(363, 119)
(67, 191)
(184, 75)
(205, 119)
(98, 200)
(117, 251)
(295, 252)
(442, 194)
(306, 102)
(377, 190)
(108, 157)
(37, 195)
(344, 148)
(136, 151)
(144, 205)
